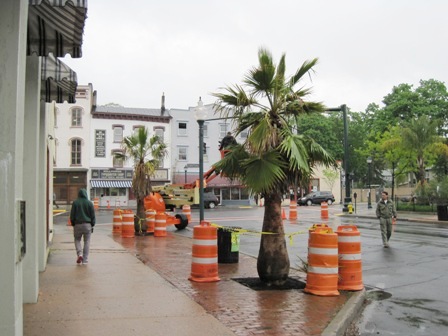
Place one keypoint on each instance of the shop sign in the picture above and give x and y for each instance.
(100, 143)
(112, 174)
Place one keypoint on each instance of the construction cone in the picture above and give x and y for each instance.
(283, 214)
(69, 223)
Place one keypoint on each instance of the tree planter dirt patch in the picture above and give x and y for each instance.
(256, 284)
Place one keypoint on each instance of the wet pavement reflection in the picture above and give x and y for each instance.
(244, 310)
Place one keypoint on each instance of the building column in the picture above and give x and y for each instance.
(13, 30)
(31, 168)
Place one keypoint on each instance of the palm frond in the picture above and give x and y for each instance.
(264, 136)
(233, 102)
(304, 69)
(266, 172)
(295, 150)
(230, 165)
(261, 78)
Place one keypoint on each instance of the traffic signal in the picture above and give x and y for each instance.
(205, 148)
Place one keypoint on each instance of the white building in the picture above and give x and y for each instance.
(185, 152)
(72, 129)
(88, 136)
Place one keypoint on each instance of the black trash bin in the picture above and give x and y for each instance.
(442, 212)
(228, 245)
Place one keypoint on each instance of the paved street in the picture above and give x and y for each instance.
(405, 283)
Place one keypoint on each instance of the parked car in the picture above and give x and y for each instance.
(210, 200)
(317, 197)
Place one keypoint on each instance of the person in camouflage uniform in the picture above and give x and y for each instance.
(385, 211)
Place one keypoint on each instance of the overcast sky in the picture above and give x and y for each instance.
(135, 50)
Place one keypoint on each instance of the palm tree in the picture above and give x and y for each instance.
(147, 153)
(274, 156)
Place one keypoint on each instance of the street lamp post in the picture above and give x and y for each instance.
(185, 171)
(369, 203)
(347, 198)
(200, 114)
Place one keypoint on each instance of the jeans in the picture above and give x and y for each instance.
(79, 231)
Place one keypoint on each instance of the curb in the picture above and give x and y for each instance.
(351, 309)
(406, 219)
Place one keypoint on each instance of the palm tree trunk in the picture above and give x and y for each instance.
(140, 222)
(273, 259)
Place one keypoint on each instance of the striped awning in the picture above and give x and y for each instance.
(110, 184)
(59, 82)
(56, 26)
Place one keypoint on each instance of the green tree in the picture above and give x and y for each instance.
(419, 137)
(331, 176)
(320, 128)
(403, 105)
(388, 153)
(273, 157)
(147, 153)
(430, 99)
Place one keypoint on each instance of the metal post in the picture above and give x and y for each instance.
(347, 198)
(201, 170)
(185, 176)
(369, 204)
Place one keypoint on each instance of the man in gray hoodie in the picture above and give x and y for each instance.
(82, 217)
(385, 211)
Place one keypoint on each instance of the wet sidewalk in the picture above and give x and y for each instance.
(115, 295)
(363, 211)
(140, 286)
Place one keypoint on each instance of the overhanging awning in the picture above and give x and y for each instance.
(110, 184)
(59, 82)
(56, 26)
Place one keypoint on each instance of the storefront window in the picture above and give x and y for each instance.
(77, 179)
(60, 178)
(112, 191)
(244, 193)
(235, 193)
(225, 193)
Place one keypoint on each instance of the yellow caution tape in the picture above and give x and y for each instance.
(245, 231)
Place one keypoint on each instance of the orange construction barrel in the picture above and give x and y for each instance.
(117, 223)
(127, 228)
(350, 263)
(96, 203)
(317, 226)
(322, 275)
(186, 210)
(150, 220)
(324, 210)
(160, 225)
(292, 210)
(204, 266)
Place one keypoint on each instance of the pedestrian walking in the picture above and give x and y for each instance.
(82, 217)
(385, 211)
